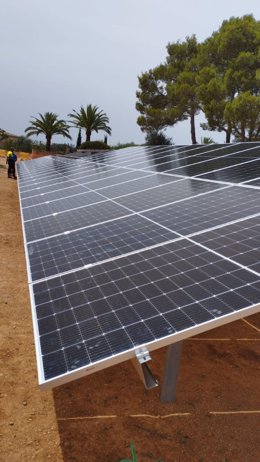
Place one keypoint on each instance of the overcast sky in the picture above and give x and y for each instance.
(57, 55)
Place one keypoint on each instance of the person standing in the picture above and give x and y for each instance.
(11, 158)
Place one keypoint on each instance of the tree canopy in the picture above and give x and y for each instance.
(243, 116)
(49, 125)
(219, 77)
(90, 119)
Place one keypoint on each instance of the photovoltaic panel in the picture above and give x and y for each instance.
(72, 219)
(47, 189)
(162, 195)
(82, 178)
(196, 155)
(42, 181)
(52, 173)
(120, 257)
(61, 205)
(207, 211)
(89, 245)
(236, 174)
(123, 176)
(88, 172)
(44, 171)
(47, 197)
(185, 158)
(254, 183)
(148, 181)
(46, 183)
(238, 241)
(142, 157)
(75, 155)
(94, 315)
(208, 165)
(136, 155)
(151, 156)
(172, 156)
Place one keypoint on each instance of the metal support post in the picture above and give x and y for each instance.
(171, 370)
(144, 372)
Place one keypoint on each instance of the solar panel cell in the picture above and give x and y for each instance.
(207, 211)
(72, 220)
(237, 173)
(172, 192)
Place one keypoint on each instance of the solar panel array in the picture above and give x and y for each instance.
(138, 247)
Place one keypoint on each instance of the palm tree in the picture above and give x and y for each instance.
(48, 124)
(90, 119)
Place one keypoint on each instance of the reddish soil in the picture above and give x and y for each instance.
(94, 419)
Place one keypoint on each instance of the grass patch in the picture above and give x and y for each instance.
(133, 454)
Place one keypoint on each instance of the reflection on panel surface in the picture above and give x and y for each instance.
(239, 241)
(199, 213)
(74, 219)
(172, 192)
(93, 314)
(236, 174)
(128, 248)
(118, 237)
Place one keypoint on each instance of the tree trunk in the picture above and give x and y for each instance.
(228, 136)
(88, 135)
(48, 143)
(243, 135)
(192, 129)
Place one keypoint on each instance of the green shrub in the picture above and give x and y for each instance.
(62, 148)
(38, 146)
(124, 145)
(94, 145)
(155, 138)
(19, 144)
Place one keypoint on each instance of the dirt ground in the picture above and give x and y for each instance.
(94, 419)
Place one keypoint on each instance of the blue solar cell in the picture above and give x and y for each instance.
(107, 253)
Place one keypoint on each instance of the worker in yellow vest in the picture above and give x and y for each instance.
(11, 158)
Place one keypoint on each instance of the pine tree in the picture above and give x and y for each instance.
(79, 141)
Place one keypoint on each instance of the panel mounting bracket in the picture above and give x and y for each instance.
(144, 372)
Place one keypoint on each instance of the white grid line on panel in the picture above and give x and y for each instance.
(226, 288)
(199, 154)
(129, 210)
(161, 244)
(110, 166)
(105, 198)
(229, 166)
(78, 229)
(151, 346)
(60, 184)
(164, 340)
(183, 152)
